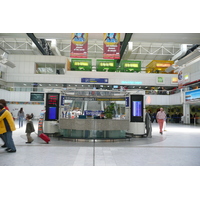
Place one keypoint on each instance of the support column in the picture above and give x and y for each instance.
(186, 113)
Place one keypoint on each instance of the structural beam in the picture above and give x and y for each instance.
(35, 40)
(127, 38)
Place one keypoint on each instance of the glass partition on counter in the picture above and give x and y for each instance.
(93, 114)
(92, 103)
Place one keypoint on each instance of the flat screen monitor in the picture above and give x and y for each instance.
(36, 96)
(137, 108)
(136, 103)
(52, 113)
(52, 106)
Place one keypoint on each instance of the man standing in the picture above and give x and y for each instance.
(161, 116)
(7, 125)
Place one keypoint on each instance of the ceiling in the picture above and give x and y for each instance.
(146, 46)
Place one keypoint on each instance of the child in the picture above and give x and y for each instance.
(29, 129)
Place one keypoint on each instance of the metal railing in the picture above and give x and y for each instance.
(90, 91)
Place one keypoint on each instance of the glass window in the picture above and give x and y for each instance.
(50, 68)
(60, 68)
(40, 68)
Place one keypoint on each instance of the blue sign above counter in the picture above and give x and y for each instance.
(94, 80)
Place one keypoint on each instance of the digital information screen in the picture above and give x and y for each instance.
(52, 113)
(136, 103)
(52, 99)
(52, 106)
(36, 96)
(137, 108)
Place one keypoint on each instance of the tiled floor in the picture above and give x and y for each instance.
(178, 146)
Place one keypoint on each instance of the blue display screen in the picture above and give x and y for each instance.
(52, 112)
(137, 108)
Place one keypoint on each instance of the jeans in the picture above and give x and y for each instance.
(20, 121)
(9, 140)
(2, 137)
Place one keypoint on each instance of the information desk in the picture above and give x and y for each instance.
(93, 128)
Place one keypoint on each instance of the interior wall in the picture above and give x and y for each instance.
(25, 72)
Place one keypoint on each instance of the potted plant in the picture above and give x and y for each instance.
(109, 111)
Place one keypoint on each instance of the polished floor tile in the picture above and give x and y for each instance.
(178, 146)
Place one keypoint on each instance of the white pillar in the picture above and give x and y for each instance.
(186, 113)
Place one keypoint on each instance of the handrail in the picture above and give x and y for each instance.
(41, 89)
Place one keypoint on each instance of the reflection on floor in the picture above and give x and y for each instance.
(178, 146)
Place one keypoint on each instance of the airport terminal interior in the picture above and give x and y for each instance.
(68, 81)
(93, 98)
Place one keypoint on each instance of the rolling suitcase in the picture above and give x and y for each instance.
(44, 137)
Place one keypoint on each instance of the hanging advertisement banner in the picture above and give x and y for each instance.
(111, 45)
(180, 79)
(79, 45)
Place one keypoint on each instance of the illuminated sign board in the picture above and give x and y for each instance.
(52, 106)
(81, 64)
(160, 80)
(130, 66)
(131, 82)
(52, 99)
(186, 77)
(106, 65)
(163, 64)
(174, 80)
(94, 80)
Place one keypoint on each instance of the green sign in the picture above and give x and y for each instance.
(160, 80)
(106, 65)
(130, 66)
(81, 64)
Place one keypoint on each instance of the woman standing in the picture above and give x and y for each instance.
(20, 117)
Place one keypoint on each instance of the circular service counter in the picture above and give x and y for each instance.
(93, 128)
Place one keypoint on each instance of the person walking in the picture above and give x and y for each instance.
(3, 101)
(29, 129)
(7, 125)
(161, 116)
(20, 117)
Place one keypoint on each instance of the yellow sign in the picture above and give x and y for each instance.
(163, 64)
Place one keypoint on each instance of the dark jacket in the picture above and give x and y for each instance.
(29, 127)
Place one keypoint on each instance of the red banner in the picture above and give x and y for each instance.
(79, 45)
(111, 45)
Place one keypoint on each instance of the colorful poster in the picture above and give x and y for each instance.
(111, 45)
(193, 96)
(180, 79)
(79, 45)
